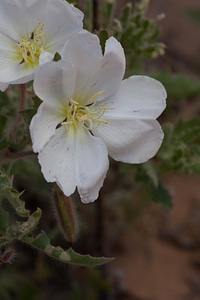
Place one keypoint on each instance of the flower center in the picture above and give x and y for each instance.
(30, 49)
(89, 116)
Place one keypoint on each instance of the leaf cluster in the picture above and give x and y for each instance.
(147, 173)
(135, 31)
(178, 85)
(180, 150)
(130, 25)
(23, 230)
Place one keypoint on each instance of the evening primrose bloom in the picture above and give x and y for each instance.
(31, 32)
(89, 112)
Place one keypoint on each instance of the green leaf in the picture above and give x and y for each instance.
(30, 112)
(12, 195)
(137, 33)
(188, 131)
(126, 15)
(151, 172)
(22, 228)
(57, 57)
(87, 260)
(161, 195)
(18, 230)
(178, 85)
(180, 150)
(42, 242)
(103, 36)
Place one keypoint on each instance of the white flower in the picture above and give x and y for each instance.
(88, 112)
(31, 32)
(3, 86)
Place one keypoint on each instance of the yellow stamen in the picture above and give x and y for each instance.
(30, 49)
(88, 116)
(95, 96)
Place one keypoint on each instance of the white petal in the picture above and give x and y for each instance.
(131, 141)
(138, 97)
(83, 50)
(91, 165)
(75, 158)
(3, 86)
(34, 13)
(57, 160)
(110, 70)
(12, 18)
(11, 70)
(18, 19)
(9, 59)
(54, 82)
(45, 57)
(95, 73)
(43, 125)
(68, 21)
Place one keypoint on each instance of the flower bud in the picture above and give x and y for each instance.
(66, 215)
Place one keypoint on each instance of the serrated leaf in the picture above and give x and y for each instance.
(87, 260)
(12, 195)
(21, 228)
(18, 230)
(181, 147)
(42, 243)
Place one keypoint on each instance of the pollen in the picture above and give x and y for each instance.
(31, 48)
(89, 116)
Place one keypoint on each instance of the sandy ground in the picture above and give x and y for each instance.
(166, 264)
